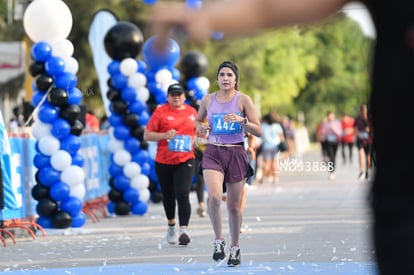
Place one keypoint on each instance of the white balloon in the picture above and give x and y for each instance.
(63, 48)
(143, 94)
(48, 145)
(46, 20)
(122, 157)
(60, 160)
(40, 129)
(115, 145)
(73, 175)
(163, 76)
(71, 65)
(128, 66)
(144, 195)
(140, 182)
(132, 169)
(78, 191)
(203, 83)
(137, 80)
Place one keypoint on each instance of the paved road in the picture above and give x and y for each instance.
(305, 224)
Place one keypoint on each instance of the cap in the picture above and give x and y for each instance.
(175, 88)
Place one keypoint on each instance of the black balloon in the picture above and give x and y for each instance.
(156, 197)
(70, 112)
(62, 220)
(76, 128)
(193, 64)
(115, 195)
(36, 68)
(58, 97)
(46, 207)
(39, 191)
(113, 94)
(123, 40)
(144, 145)
(122, 208)
(131, 119)
(119, 107)
(43, 82)
(138, 132)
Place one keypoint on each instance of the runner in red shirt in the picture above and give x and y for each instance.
(172, 126)
(348, 137)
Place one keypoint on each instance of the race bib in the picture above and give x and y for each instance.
(180, 143)
(332, 138)
(221, 127)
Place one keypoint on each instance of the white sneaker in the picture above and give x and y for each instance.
(171, 237)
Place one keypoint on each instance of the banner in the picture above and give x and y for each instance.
(102, 21)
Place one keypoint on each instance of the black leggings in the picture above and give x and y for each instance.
(175, 182)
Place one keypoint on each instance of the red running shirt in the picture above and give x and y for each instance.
(165, 118)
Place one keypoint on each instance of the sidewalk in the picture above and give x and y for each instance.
(305, 224)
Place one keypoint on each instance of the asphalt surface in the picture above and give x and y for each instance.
(304, 224)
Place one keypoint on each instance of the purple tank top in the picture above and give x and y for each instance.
(222, 132)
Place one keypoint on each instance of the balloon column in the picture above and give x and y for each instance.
(127, 93)
(193, 64)
(59, 187)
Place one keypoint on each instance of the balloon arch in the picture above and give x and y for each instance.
(135, 88)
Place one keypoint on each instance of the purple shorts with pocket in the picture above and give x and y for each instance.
(231, 161)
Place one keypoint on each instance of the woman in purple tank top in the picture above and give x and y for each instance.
(230, 114)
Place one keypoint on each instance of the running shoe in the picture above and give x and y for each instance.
(361, 176)
(171, 237)
(184, 237)
(234, 257)
(218, 254)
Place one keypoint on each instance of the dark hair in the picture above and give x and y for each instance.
(231, 66)
(175, 88)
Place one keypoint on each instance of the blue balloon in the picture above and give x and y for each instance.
(66, 81)
(115, 170)
(113, 67)
(47, 113)
(132, 145)
(176, 74)
(55, 65)
(161, 98)
(119, 81)
(74, 96)
(41, 161)
(78, 220)
(72, 205)
(49, 176)
(142, 66)
(60, 128)
(143, 118)
(115, 120)
(150, 2)
(70, 144)
(78, 160)
(59, 191)
(121, 132)
(193, 4)
(128, 94)
(121, 182)
(44, 222)
(145, 169)
(37, 97)
(41, 51)
(140, 157)
(139, 208)
(137, 107)
(156, 59)
(131, 195)
(111, 207)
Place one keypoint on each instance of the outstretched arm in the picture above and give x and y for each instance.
(239, 17)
